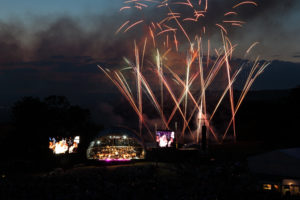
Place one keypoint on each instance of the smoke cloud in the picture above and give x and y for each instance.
(94, 36)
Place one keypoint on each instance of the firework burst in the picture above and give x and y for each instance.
(184, 87)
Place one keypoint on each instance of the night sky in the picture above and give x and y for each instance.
(53, 47)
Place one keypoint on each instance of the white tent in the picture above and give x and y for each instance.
(283, 163)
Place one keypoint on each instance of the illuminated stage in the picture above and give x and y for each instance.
(116, 144)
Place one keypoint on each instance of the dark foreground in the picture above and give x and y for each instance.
(143, 180)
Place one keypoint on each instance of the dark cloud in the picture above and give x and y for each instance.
(62, 38)
(112, 118)
(11, 49)
(94, 36)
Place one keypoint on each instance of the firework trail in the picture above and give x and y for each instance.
(169, 33)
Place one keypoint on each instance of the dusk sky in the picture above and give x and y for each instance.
(53, 47)
(275, 24)
(76, 7)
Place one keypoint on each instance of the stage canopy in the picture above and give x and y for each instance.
(283, 163)
(116, 144)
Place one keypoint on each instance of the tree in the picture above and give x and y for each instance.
(37, 120)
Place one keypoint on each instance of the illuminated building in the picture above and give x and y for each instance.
(278, 170)
(116, 144)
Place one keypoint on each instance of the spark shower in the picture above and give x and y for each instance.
(178, 30)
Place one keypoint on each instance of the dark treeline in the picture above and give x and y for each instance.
(34, 120)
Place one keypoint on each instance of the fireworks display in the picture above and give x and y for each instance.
(178, 30)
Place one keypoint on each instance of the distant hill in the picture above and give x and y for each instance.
(279, 75)
(266, 95)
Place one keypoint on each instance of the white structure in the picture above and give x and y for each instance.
(281, 165)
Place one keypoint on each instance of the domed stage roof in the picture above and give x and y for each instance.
(116, 144)
(119, 131)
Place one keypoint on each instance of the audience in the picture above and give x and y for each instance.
(137, 181)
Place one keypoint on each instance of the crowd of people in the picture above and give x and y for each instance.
(138, 181)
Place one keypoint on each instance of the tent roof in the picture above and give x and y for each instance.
(283, 163)
(118, 131)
